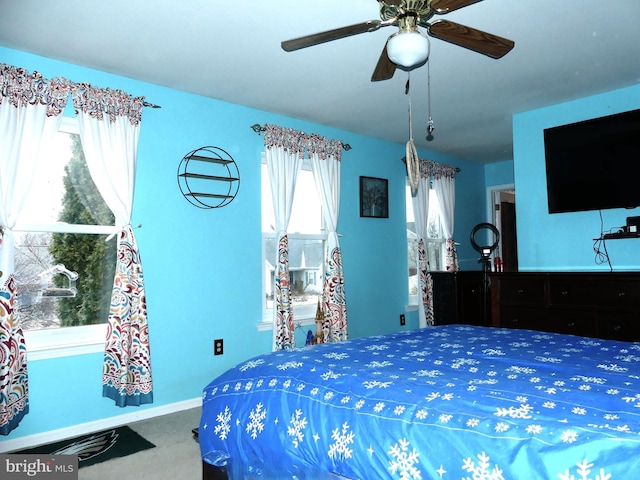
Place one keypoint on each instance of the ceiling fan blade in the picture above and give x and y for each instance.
(385, 68)
(471, 38)
(445, 6)
(329, 35)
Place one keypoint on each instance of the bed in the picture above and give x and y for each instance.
(449, 402)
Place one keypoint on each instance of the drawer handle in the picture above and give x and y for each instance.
(520, 291)
(564, 293)
(571, 324)
(622, 294)
(515, 320)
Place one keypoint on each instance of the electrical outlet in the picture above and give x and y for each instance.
(402, 320)
(218, 347)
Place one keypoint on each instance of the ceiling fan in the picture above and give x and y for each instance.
(409, 48)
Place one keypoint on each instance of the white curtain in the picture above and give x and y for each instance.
(30, 115)
(444, 185)
(109, 123)
(325, 160)
(421, 214)
(284, 155)
(110, 144)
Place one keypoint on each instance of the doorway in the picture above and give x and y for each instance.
(501, 212)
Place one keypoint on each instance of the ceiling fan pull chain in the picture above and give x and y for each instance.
(430, 124)
(413, 163)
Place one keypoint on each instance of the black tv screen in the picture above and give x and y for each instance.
(594, 164)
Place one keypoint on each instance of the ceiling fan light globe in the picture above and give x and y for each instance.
(408, 48)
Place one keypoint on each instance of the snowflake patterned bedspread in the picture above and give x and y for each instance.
(450, 402)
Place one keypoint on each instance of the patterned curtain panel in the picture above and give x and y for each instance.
(14, 380)
(283, 326)
(425, 306)
(325, 160)
(109, 122)
(451, 256)
(30, 114)
(334, 302)
(127, 360)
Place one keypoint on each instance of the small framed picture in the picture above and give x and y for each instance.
(374, 197)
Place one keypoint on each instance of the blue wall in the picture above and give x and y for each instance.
(203, 267)
(565, 241)
(499, 173)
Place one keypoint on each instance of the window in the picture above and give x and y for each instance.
(306, 247)
(435, 242)
(65, 254)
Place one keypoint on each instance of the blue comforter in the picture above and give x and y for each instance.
(450, 402)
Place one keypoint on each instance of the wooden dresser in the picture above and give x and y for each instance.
(602, 304)
(458, 298)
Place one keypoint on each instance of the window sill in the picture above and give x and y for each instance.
(267, 325)
(65, 342)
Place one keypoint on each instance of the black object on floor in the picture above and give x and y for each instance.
(97, 447)
(209, 472)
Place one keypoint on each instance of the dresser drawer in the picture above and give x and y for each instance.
(567, 292)
(601, 293)
(521, 317)
(523, 291)
(619, 326)
(571, 322)
(620, 294)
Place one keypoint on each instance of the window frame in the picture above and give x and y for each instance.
(68, 341)
(304, 316)
(413, 299)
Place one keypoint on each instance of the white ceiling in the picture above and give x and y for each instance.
(230, 50)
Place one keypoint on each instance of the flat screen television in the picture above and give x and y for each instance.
(594, 164)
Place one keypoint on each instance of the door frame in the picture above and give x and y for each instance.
(491, 211)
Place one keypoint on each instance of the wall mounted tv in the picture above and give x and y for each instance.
(594, 164)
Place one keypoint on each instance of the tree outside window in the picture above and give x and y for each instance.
(66, 205)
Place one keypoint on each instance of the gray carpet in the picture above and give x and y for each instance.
(176, 456)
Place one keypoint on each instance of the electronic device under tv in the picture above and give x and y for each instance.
(594, 164)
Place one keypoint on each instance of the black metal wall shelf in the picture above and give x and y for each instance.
(617, 236)
(208, 174)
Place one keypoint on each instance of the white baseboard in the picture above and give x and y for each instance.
(96, 426)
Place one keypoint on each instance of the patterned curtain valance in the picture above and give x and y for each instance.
(298, 142)
(19, 88)
(429, 168)
(98, 102)
(323, 147)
